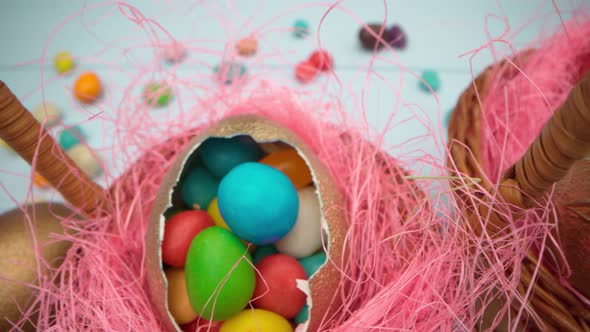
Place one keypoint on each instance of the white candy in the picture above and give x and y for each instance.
(305, 237)
(48, 114)
(85, 159)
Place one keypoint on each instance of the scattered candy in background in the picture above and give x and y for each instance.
(70, 137)
(247, 47)
(5, 146)
(157, 94)
(300, 28)
(397, 37)
(431, 78)
(228, 73)
(88, 87)
(48, 114)
(173, 52)
(370, 42)
(305, 72)
(85, 159)
(321, 60)
(40, 181)
(63, 63)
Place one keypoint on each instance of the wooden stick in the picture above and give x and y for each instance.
(21, 131)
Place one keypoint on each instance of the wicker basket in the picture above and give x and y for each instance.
(564, 141)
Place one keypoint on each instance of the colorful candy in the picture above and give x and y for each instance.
(213, 211)
(47, 114)
(157, 94)
(305, 237)
(70, 137)
(230, 72)
(305, 72)
(312, 263)
(321, 60)
(87, 160)
(300, 28)
(397, 37)
(290, 163)
(247, 46)
(64, 62)
(220, 280)
(369, 41)
(262, 252)
(276, 286)
(221, 155)
(198, 188)
(302, 316)
(178, 301)
(87, 87)
(179, 232)
(256, 320)
(258, 203)
(431, 78)
(201, 325)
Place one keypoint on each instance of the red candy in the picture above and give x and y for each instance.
(305, 72)
(179, 232)
(276, 289)
(321, 60)
(202, 325)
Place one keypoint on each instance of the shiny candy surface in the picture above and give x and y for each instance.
(220, 155)
(198, 188)
(179, 232)
(87, 87)
(47, 114)
(178, 302)
(220, 278)
(258, 203)
(256, 320)
(276, 285)
(86, 159)
(290, 163)
(305, 237)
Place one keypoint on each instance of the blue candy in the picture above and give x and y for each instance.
(70, 137)
(199, 187)
(258, 203)
(312, 263)
(220, 155)
(300, 28)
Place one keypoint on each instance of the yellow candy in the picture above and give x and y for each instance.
(6, 146)
(178, 302)
(213, 211)
(256, 320)
(64, 62)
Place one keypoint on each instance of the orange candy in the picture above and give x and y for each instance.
(291, 164)
(87, 87)
(40, 181)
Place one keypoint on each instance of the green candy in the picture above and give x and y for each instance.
(216, 289)
(157, 94)
(198, 188)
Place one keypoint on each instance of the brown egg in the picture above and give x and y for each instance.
(18, 265)
(323, 284)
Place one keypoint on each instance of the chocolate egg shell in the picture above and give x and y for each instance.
(18, 263)
(323, 284)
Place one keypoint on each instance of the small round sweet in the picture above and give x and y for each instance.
(369, 41)
(178, 302)
(63, 62)
(173, 52)
(213, 211)
(321, 60)
(258, 203)
(220, 155)
(70, 137)
(312, 263)
(300, 28)
(397, 37)
(305, 237)
(432, 79)
(157, 94)
(276, 286)
(247, 46)
(86, 159)
(305, 72)
(302, 316)
(262, 252)
(256, 320)
(201, 325)
(40, 181)
(198, 188)
(219, 275)
(87, 88)
(179, 232)
(290, 162)
(227, 73)
(47, 114)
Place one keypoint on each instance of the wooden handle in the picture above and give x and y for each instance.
(21, 131)
(565, 139)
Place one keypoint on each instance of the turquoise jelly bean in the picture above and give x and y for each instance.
(220, 155)
(199, 187)
(312, 263)
(70, 137)
(432, 79)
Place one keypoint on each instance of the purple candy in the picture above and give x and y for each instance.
(397, 37)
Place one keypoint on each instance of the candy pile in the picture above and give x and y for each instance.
(318, 61)
(244, 227)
